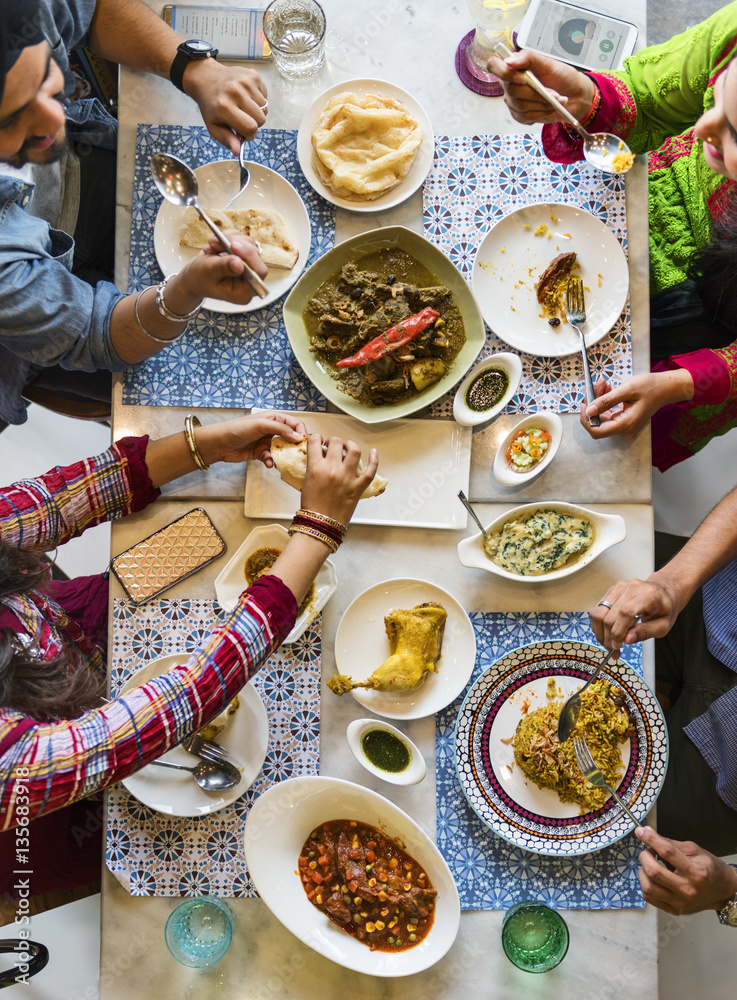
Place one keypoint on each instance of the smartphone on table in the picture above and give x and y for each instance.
(236, 32)
(585, 38)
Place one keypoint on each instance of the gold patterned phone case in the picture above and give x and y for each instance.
(171, 554)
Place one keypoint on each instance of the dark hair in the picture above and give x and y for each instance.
(44, 689)
(21, 25)
(713, 269)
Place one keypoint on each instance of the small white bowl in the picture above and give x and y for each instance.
(508, 476)
(463, 414)
(231, 581)
(412, 774)
(610, 529)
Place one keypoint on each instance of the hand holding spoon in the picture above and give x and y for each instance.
(599, 148)
(178, 184)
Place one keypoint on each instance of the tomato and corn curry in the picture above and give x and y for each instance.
(367, 884)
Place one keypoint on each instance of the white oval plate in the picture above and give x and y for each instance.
(413, 773)
(218, 182)
(420, 165)
(610, 529)
(513, 806)
(231, 581)
(246, 739)
(361, 646)
(462, 413)
(281, 820)
(510, 260)
(549, 422)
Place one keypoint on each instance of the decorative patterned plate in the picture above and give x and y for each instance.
(217, 183)
(246, 739)
(420, 165)
(514, 807)
(511, 258)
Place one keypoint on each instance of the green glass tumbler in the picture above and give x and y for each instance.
(534, 937)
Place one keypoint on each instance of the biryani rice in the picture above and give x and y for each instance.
(604, 724)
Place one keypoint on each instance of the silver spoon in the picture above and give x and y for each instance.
(465, 501)
(245, 174)
(599, 148)
(208, 775)
(571, 708)
(178, 184)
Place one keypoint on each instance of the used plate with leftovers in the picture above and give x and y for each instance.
(551, 286)
(386, 331)
(540, 542)
(415, 644)
(603, 722)
(278, 249)
(367, 884)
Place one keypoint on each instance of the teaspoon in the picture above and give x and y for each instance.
(208, 775)
(178, 184)
(599, 148)
(465, 501)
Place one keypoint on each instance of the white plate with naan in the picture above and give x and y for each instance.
(267, 190)
(420, 165)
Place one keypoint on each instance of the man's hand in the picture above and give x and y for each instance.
(699, 880)
(232, 100)
(657, 600)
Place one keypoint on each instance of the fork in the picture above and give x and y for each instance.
(245, 173)
(594, 776)
(206, 749)
(576, 316)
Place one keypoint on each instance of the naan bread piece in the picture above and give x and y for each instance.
(363, 146)
(290, 459)
(277, 248)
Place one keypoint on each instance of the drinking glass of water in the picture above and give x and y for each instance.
(295, 30)
(494, 18)
(198, 933)
(534, 937)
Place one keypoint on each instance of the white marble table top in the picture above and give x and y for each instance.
(612, 953)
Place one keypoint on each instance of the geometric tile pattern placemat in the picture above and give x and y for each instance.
(156, 855)
(491, 873)
(474, 182)
(224, 359)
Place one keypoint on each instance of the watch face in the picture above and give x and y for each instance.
(731, 916)
(197, 45)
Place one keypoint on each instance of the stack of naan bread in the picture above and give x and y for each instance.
(363, 146)
(277, 247)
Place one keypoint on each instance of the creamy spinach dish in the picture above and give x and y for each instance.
(540, 542)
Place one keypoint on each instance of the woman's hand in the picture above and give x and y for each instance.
(332, 485)
(219, 275)
(572, 88)
(231, 100)
(246, 438)
(699, 880)
(628, 408)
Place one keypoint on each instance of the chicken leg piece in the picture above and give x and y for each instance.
(415, 644)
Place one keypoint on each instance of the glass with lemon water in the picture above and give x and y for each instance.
(494, 19)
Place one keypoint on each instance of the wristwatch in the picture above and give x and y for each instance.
(194, 48)
(728, 914)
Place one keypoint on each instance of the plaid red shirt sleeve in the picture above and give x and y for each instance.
(47, 511)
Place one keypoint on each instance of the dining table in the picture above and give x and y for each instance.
(613, 946)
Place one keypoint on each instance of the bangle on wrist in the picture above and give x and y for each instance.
(342, 528)
(595, 103)
(166, 311)
(142, 328)
(321, 536)
(190, 423)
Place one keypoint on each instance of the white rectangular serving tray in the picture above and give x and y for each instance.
(425, 462)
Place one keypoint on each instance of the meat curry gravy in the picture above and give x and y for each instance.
(261, 561)
(367, 884)
(361, 303)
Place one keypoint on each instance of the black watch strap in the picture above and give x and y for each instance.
(185, 53)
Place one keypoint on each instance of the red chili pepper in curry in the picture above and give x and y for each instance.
(391, 339)
(364, 882)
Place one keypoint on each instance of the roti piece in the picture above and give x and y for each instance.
(363, 146)
(290, 459)
(277, 249)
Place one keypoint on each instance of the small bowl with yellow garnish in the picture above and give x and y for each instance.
(256, 554)
(528, 449)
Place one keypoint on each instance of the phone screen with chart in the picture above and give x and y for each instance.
(583, 37)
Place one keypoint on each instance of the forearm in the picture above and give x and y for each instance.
(130, 342)
(130, 33)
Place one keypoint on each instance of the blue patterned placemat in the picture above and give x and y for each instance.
(152, 854)
(474, 182)
(492, 874)
(234, 359)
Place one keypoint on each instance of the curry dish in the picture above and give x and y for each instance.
(261, 561)
(385, 331)
(368, 885)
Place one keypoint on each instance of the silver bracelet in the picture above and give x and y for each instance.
(164, 309)
(142, 328)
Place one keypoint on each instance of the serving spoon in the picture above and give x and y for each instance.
(465, 501)
(599, 148)
(178, 184)
(213, 777)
